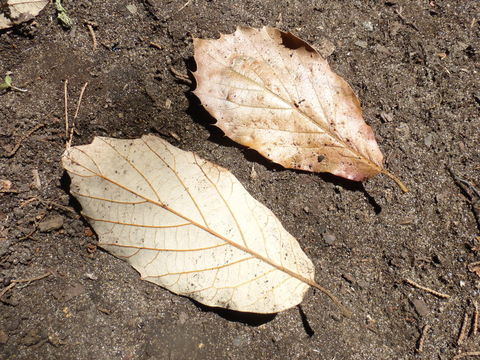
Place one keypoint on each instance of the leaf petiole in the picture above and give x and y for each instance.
(396, 179)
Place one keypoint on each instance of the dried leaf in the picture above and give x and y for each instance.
(474, 268)
(5, 22)
(13, 12)
(62, 15)
(273, 92)
(187, 224)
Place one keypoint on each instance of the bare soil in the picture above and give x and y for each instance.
(414, 65)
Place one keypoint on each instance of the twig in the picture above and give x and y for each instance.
(180, 76)
(4, 291)
(464, 184)
(184, 5)
(36, 278)
(79, 102)
(465, 354)
(65, 98)
(433, 292)
(28, 281)
(8, 191)
(29, 235)
(39, 344)
(474, 197)
(463, 329)
(421, 339)
(475, 319)
(49, 203)
(154, 44)
(22, 139)
(61, 207)
(92, 34)
(406, 22)
(26, 202)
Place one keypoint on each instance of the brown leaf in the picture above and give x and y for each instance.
(474, 268)
(273, 92)
(13, 12)
(188, 225)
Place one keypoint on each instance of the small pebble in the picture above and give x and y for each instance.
(362, 44)
(36, 179)
(253, 174)
(5, 185)
(3, 337)
(73, 291)
(362, 284)
(386, 117)
(18, 212)
(329, 238)
(51, 223)
(368, 25)
(349, 278)
(428, 140)
(91, 276)
(240, 341)
(182, 318)
(7, 280)
(420, 307)
(306, 209)
(132, 8)
(326, 48)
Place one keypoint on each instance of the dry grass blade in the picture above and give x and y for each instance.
(466, 354)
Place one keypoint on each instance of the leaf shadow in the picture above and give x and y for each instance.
(65, 183)
(352, 186)
(306, 324)
(248, 318)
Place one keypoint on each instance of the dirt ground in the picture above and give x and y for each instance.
(414, 65)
